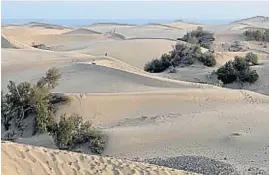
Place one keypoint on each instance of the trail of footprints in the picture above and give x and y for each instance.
(249, 98)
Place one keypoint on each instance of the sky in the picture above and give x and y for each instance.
(188, 10)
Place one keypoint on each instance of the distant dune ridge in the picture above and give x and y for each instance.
(45, 25)
(184, 118)
(81, 31)
(254, 19)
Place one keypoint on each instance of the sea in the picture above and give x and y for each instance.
(83, 22)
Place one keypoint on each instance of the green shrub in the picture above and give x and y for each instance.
(159, 65)
(207, 59)
(200, 37)
(237, 70)
(155, 66)
(72, 130)
(181, 55)
(227, 74)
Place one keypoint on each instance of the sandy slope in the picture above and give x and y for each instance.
(215, 123)
(23, 159)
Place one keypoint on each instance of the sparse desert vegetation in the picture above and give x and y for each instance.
(27, 99)
(257, 35)
(182, 54)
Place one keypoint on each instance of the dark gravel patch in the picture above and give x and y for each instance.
(197, 164)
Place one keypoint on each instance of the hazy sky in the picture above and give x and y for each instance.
(132, 10)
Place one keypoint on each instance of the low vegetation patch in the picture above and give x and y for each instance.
(27, 99)
(41, 46)
(257, 35)
(239, 70)
(182, 54)
(199, 37)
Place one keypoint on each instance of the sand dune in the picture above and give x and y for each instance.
(23, 159)
(152, 31)
(105, 75)
(45, 25)
(81, 31)
(136, 52)
(161, 101)
(82, 74)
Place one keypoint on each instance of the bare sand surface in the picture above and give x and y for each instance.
(144, 115)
